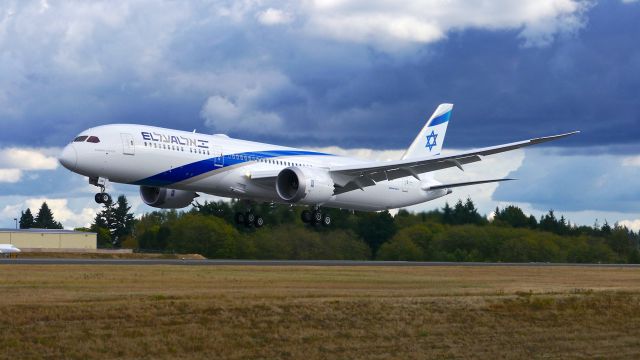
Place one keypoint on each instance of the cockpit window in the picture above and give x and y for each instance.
(93, 139)
(80, 138)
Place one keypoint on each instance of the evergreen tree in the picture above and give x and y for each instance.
(513, 216)
(101, 226)
(116, 219)
(447, 214)
(457, 216)
(375, 229)
(122, 221)
(26, 219)
(466, 213)
(606, 228)
(45, 220)
(549, 222)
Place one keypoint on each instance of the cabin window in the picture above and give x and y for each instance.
(93, 139)
(80, 138)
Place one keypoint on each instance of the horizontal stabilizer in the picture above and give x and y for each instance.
(447, 186)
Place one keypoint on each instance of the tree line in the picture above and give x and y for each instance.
(43, 220)
(453, 233)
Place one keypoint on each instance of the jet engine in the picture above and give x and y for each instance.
(164, 198)
(304, 185)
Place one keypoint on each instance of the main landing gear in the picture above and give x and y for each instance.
(102, 197)
(249, 219)
(315, 217)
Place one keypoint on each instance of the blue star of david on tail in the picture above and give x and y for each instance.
(431, 140)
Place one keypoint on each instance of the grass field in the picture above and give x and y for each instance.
(81, 312)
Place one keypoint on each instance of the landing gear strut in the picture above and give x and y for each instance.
(102, 197)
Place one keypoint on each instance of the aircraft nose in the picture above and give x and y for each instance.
(68, 158)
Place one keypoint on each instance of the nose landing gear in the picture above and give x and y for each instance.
(102, 197)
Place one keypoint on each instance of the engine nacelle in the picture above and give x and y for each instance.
(304, 185)
(164, 198)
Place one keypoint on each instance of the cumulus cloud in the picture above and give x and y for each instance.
(392, 24)
(226, 115)
(273, 16)
(28, 159)
(631, 161)
(163, 63)
(240, 102)
(13, 162)
(630, 224)
(10, 175)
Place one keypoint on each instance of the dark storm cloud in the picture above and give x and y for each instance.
(161, 64)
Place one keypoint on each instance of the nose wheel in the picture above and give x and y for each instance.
(103, 198)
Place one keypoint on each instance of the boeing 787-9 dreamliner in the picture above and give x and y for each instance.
(171, 167)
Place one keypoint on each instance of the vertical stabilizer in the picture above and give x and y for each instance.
(430, 139)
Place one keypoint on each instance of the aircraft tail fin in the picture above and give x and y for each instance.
(430, 139)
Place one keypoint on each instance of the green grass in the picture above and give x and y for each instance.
(81, 312)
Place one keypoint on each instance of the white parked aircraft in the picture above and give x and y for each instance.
(8, 249)
(172, 167)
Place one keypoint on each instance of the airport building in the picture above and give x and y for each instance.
(49, 239)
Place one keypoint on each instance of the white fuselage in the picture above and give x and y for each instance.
(221, 166)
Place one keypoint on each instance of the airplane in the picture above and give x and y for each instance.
(7, 250)
(172, 167)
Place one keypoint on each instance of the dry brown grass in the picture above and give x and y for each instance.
(235, 312)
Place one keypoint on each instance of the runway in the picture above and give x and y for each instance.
(142, 262)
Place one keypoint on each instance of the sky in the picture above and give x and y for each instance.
(354, 77)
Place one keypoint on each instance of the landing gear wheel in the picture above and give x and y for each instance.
(306, 216)
(239, 218)
(316, 217)
(326, 220)
(258, 222)
(249, 218)
(102, 198)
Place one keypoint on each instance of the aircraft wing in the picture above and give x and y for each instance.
(357, 176)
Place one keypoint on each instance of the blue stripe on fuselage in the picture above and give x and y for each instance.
(440, 119)
(197, 168)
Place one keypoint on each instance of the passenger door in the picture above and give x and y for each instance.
(128, 145)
